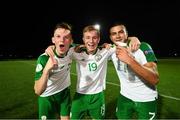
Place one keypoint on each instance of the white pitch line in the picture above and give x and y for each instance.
(110, 83)
(162, 95)
(114, 84)
(170, 97)
(166, 96)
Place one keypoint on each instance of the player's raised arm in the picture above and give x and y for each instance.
(49, 51)
(41, 84)
(134, 43)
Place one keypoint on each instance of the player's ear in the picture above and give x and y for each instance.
(83, 39)
(52, 39)
(71, 41)
(110, 36)
(98, 39)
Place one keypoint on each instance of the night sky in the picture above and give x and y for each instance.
(27, 26)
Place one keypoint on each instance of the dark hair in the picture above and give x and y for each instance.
(118, 24)
(63, 25)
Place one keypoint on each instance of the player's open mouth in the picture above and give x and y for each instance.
(61, 46)
(91, 45)
(118, 40)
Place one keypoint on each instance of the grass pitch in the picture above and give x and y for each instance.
(18, 101)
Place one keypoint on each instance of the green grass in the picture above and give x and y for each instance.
(17, 98)
(169, 70)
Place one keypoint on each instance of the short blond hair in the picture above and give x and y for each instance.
(91, 28)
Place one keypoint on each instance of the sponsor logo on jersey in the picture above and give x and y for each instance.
(98, 57)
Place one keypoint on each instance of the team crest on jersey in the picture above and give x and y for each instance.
(39, 67)
(98, 57)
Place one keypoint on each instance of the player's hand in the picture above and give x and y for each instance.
(106, 45)
(79, 48)
(123, 54)
(121, 44)
(49, 51)
(134, 44)
(51, 64)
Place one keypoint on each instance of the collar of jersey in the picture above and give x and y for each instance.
(58, 55)
(128, 42)
(93, 53)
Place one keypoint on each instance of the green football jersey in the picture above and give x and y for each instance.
(148, 52)
(132, 86)
(91, 70)
(59, 77)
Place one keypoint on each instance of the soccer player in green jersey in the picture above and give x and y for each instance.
(138, 75)
(91, 66)
(52, 77)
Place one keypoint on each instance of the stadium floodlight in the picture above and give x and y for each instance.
(97, 26)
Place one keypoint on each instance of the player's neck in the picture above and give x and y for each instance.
(91, 52)
(59, 55)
